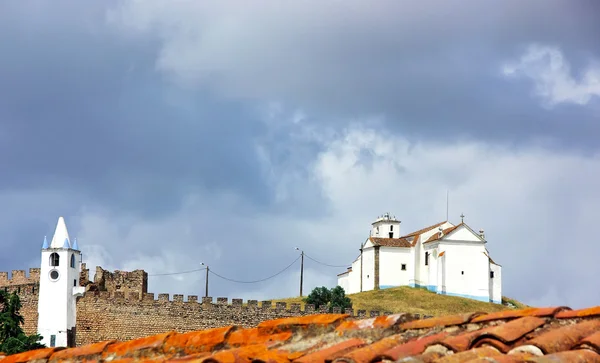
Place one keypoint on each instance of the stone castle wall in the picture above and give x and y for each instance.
(27, 287)
(117, 306)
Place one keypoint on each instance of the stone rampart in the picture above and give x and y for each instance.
(117, 306)
(102, 315)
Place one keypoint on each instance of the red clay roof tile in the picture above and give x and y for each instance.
(390, 242)
(332, 352)
(34, 355)
(441, 321)
(582, 313)
(303, 322)
(502, 337)
(380, 322)
(371, 351)
(469, 355)
(138, 348)
(512, 314)
(565, 337)
(414, 347)
(548, 334)
(196, 342)
(87, 352)
(420, 231)
(591, 342)
(573, 356)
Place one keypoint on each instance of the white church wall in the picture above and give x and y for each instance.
(391, 260)
(368, 280)
(421, 270)
(344, 281)
(466, 270)
(496, 283)
(354, 278)
(462, 234)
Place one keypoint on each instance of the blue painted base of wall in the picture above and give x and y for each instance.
(473, 297)
(433, 288)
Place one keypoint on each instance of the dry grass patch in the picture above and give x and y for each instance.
(406, 299)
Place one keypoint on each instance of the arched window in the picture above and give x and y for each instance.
(54, 259)
(73, 260)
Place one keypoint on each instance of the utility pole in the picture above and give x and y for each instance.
(206, 292)
(301, 269)
(301, 272)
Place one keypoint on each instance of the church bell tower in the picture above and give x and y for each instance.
(59, 288)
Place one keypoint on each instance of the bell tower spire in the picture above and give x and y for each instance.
(59, 288)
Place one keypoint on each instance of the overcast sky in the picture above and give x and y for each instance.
(174, 133)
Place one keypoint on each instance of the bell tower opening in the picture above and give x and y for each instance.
(386, 226)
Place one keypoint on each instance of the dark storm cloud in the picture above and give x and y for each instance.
(84, 111)
(116, 122)
(432, 68)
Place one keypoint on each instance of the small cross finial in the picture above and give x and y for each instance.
(462, 218)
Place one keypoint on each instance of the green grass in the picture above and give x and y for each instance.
(406, 299)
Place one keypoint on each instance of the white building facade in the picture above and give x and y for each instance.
(444, 258)
(59, 288)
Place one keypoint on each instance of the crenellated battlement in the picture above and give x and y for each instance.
(19, 277)
(164, 300)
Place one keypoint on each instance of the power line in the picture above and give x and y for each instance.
(178, 273)
(324, 264)
(253, 282)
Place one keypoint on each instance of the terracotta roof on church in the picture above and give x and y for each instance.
(390, 242)
(436, 236)
(423, 230)
(552, 334)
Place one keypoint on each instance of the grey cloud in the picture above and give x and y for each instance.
(159, 174)
(432, 70)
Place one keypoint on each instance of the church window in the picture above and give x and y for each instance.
(491, 274)
(403, 268)
(52, 340)
(391, 228)
(73, 260)
(462, 272)
(54, 259)
(75, 282)
(426, 258)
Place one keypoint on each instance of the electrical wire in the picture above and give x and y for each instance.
(255, 281)
(178, 273)
(324, 264)
(248, 282)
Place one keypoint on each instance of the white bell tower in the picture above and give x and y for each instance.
(59, 288)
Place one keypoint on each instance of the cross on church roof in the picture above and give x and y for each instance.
(462, 218)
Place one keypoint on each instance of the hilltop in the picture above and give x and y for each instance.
(406, 299)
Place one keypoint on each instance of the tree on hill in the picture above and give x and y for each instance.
(12, 337)
(331, 298)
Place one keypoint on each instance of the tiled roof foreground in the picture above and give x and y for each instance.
(531, 335)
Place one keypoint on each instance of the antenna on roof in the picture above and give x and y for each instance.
(447, 203)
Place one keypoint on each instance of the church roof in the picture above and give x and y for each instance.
(61, 235)
(445, 232)
(390, 242)
(423, 230)
(550, 334)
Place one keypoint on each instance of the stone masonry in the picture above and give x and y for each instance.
(117, 306)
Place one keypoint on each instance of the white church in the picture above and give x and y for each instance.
(59, 288)
(444, 258)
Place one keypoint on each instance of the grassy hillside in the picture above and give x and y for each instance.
(405, 299)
